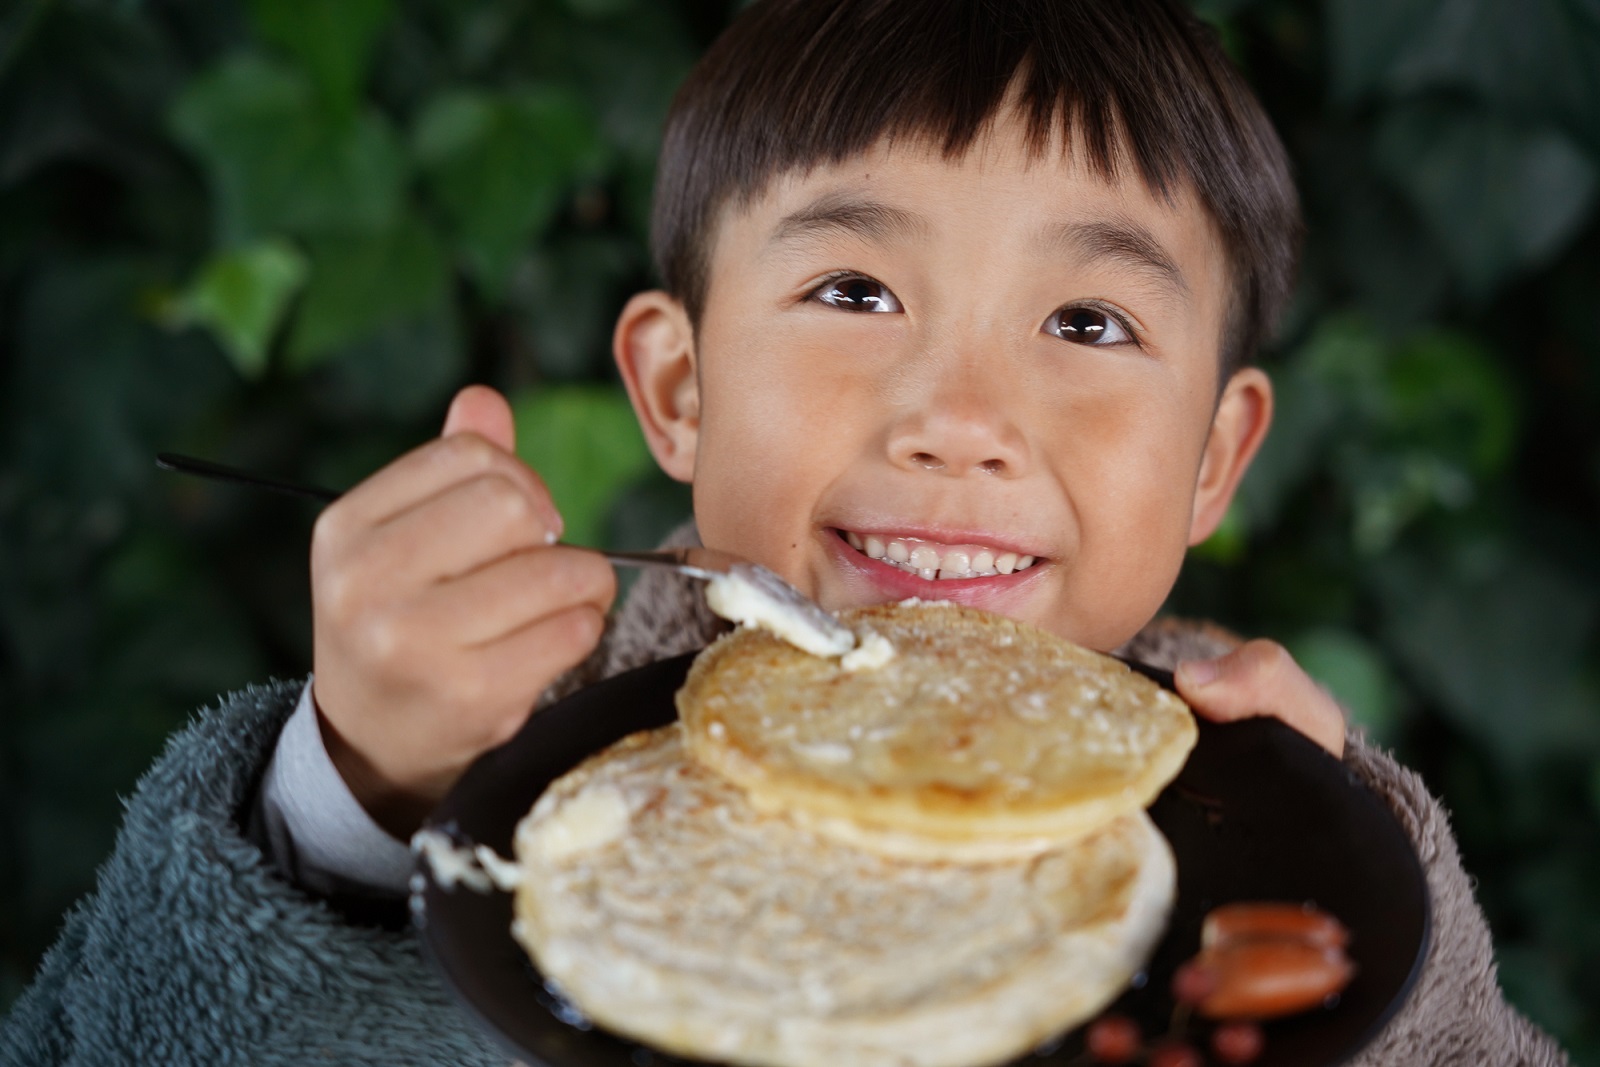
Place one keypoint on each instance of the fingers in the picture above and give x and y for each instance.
(1261, 678)
(417, 687)
(465, 567)
(464, 527)
(509, 595)
(539, 652)
(480, 410)
(441, 609)
(473, 699)
(478, 439)
(429, 470)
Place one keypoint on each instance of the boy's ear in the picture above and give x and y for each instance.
(654, 348)
(1237, 429)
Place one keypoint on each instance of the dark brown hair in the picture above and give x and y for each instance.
(793, 84)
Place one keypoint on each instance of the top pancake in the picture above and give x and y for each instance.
(982, 738)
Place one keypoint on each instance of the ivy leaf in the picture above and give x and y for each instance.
(1367, 37)
(332, 39)
(1524, 189)
(1421, 423)
(1445, 392)
(586, 445)
(1529, 58)
(398, 370)
(278, 159)
(1516, 683)
(1375, 243)
(1534, 57)
(500, 164)
(1391, 488)
(564, 294)
(93, 387)
(361, 283)
(241, 295)
(1446, 425)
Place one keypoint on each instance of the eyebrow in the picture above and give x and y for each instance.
(1120, 242)
(850, 215)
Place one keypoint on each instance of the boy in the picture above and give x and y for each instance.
(958, 299)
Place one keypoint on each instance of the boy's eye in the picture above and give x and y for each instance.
(1087, 326)
(854, 293)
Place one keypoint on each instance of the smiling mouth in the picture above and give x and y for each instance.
(932, 561)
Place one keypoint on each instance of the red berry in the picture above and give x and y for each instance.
(1175, 1055)
(1193, 982)
(1238, 1043)
(1114, 1039)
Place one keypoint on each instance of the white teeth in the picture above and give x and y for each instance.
(929, 562)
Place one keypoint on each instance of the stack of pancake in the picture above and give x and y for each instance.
(942, 859)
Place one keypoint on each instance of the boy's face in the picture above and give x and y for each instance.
(962, 364)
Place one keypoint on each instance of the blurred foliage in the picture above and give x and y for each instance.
(281, 232)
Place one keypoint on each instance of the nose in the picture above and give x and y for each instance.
(960, 422)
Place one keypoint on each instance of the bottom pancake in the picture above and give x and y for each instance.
(668, 909)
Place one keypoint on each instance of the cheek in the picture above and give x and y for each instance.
(1128, 458)
(795, 381)
(778, 425)
(1130, 448)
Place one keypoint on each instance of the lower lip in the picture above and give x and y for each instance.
(889, 582)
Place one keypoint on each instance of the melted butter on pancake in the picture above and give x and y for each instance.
(591, 821)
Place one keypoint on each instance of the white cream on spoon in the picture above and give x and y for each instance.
(741, 597)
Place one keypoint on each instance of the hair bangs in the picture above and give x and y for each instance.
(1133, 84)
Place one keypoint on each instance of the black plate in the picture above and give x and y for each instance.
(1259, 813)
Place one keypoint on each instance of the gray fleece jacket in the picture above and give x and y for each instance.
(192, 949)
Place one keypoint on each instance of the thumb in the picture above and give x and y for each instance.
(481, 410)
(1262, 678)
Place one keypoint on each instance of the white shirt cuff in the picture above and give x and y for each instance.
(314, 828)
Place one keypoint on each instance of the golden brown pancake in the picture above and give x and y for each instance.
(981, 738)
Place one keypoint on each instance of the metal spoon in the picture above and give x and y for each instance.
(708, 564)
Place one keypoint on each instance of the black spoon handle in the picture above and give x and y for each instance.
(172, 461)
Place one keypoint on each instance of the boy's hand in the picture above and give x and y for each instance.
(441, 609)
(1261, 678)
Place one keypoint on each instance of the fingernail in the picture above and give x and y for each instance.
(1199, 672)
(555, 526)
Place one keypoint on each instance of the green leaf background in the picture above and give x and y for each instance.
(283, 232)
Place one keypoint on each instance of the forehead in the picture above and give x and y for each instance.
(1044, 198)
